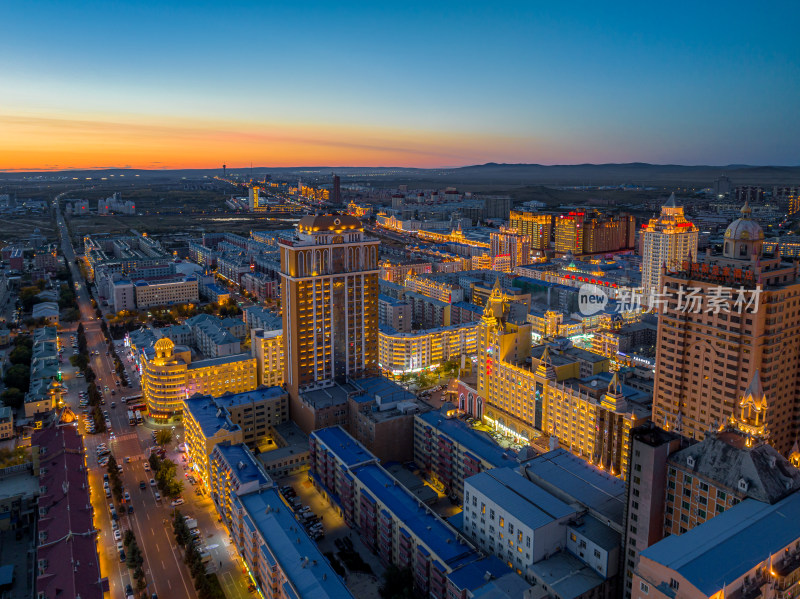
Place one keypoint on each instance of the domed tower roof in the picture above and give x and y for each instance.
(743, 237)
(329, 222)
(164, 345)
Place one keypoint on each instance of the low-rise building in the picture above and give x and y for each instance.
(205, 425)
(47, 310)
(288, 454)
(169, 376)
(278, 552)
(391, 521)
(6, 422)
(750, 550)
(66, 562)
(400, 352)
(166, 293)
(394, 314)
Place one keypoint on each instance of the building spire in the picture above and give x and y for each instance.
(746, 211)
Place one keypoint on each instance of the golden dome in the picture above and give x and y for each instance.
(164, 345)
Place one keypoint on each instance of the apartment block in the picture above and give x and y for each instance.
(743, 318)
(394, 314)
(267, 348)
(416, 350)
(390, 520)
(449, 451)
(538, 227)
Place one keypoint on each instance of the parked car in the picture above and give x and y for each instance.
(177, 502)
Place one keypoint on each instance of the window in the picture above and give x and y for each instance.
(510, 528)
(502, 522)
(491, 514)
(597, 553)
(644, 587)
(674, 584)
(572, 537)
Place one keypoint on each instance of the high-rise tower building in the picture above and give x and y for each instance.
(511, 243)
(722, 319)
(578, 233)
(667, 240)
(329, 287)
(336, 195)
(537, 226)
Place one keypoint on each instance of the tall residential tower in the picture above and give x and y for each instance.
(667, 240)
(724, 319)
(329, 287)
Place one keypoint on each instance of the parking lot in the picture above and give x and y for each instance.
(360, 583)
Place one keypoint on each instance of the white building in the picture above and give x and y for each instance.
(666, 240)
(525, 526)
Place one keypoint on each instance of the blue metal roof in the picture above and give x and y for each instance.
(428, 528)
(472, 440)
(234, 399)
(208, 415)
(729, 545)
(382, 297)
(386, 389)
(587, 484)
(286, 540)
(472, 576)
(519, 497)
(242, 464)
(347, 450)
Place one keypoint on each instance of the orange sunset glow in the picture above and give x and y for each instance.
(32, 142)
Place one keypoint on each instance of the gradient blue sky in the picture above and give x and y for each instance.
(397, 83)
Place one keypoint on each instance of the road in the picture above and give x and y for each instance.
(165, 572)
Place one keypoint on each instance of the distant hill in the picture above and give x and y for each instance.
(490, 173)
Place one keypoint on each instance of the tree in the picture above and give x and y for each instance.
(164, 437)
(397, 583)
(112, 467)
(13, 398)
(128, 537)
(79, 361)
(72, 315)
(18, 376)
(20, 355)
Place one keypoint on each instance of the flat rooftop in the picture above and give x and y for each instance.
(431, 530)
(582, 482)
(286, 543)
(229, 400)
(479, 445)
(347, 450)
(243, 464)
(519, 497)
(208, 415)
(566, 575)
(334, 395)
(729, 545)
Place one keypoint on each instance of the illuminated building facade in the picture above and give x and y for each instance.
(169, 376)
(744, 317)
(267, 348)
(439, 290)
(538, 227)
(329, 286)
(397, 273)
(580, 234)
(418, 350)
(667, 240)
(515, 245)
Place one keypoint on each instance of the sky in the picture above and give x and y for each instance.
(384, 83)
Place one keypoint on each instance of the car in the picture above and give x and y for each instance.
(105, 484)
(127, 459)
(147, 466)
(113, 404)
(142, 485)
(128, 590)
(130, 509)
(114, 525)
(108, 493)
(158, 496)
(105, 476)
(152, 482)
(127, 496)
(119, 468)
(117, 534)
(177, 502)
(122, 555)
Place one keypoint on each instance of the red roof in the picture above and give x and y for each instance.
(67, 561)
